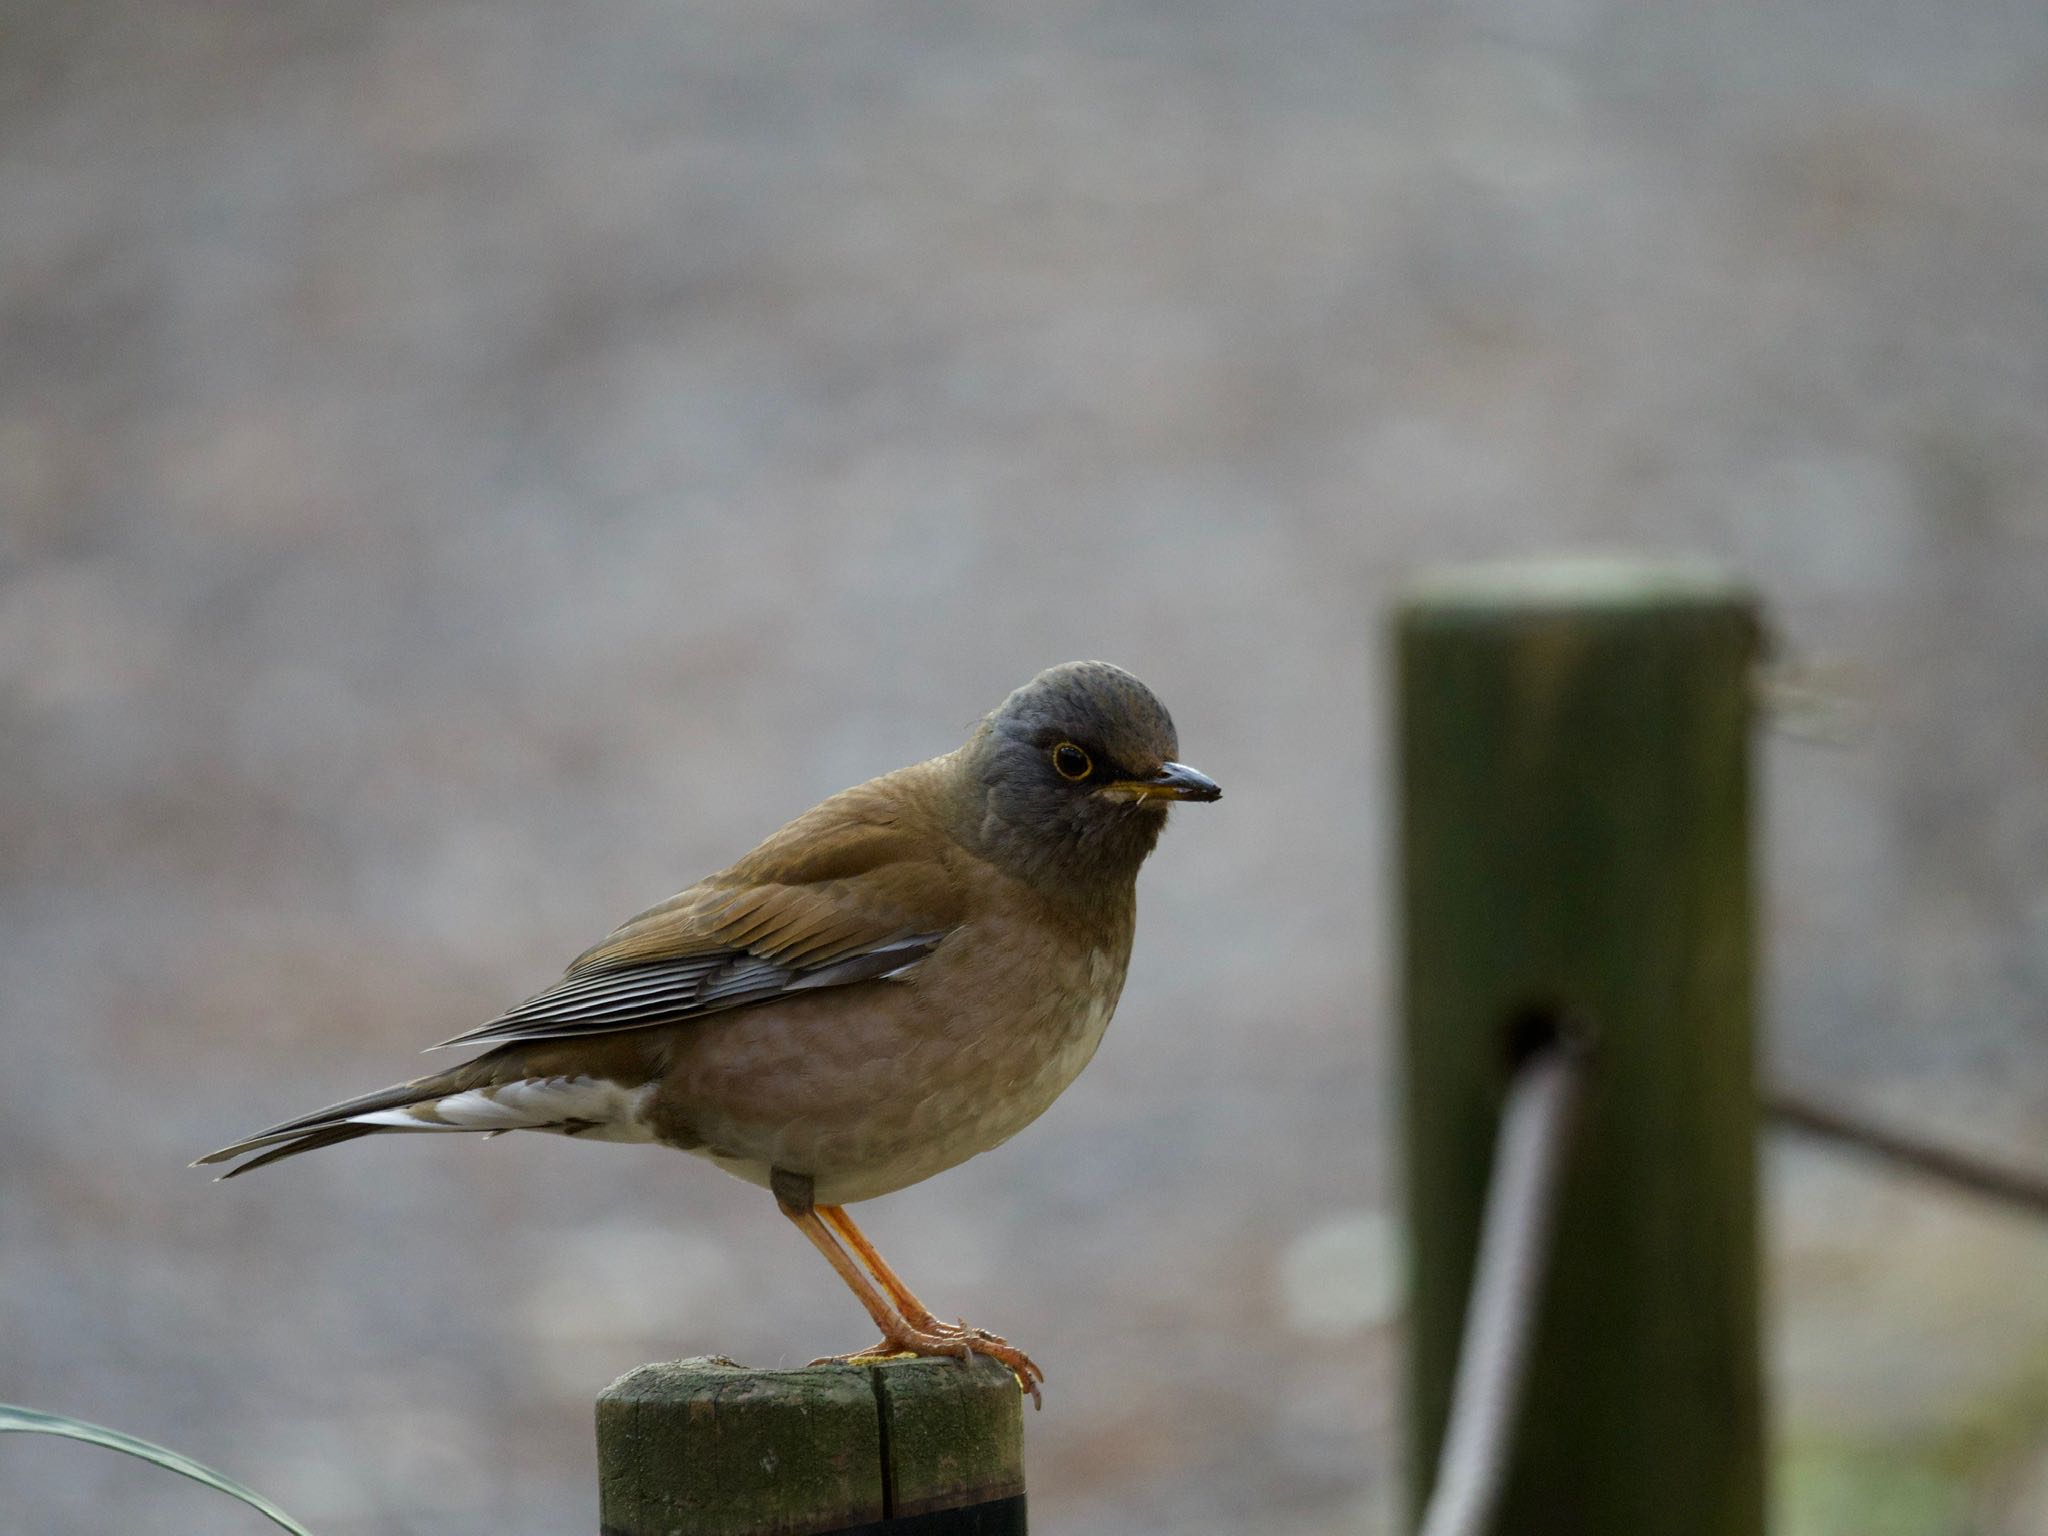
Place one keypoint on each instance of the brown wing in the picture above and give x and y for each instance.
(850, 891)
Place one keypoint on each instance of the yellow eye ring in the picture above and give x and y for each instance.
(1070, 762)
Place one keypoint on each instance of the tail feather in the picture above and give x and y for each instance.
(502, 1091)
(395, 1097)
(305, 1141)
(334, 1118)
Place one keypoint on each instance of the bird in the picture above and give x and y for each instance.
(903, 977)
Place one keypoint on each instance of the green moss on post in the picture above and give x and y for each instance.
(705, 1448)
(1574, 767)
(955, 1437)
(700, 1446)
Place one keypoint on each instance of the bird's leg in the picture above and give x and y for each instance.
(879, 1307)
(900, 1335)
(915, 1312)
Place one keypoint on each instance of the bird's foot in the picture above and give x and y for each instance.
(955, 1341)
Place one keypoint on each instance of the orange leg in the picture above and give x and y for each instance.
(908, 1327)
(915, 1312)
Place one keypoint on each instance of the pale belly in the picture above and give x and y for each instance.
(876, 1087)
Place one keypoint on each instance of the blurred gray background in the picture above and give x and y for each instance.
(467, 470)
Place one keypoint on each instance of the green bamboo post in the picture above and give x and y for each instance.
(909, 1448)
(1574, 779)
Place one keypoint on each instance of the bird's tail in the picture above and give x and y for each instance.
(524, 1089)
(341, 1122)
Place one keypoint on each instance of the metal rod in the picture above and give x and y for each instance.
(1507, 1289)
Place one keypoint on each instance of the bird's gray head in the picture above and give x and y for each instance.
(1076, 770)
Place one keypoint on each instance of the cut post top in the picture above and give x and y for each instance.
(704, 1447)
(1562, 583)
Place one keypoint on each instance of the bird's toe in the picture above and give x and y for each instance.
(954, 1342)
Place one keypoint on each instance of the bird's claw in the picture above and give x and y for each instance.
(951, 1341)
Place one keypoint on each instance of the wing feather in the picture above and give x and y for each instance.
(849, 892)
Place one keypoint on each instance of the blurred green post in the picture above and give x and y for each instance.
(1574, 765)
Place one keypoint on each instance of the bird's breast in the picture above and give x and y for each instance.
(875, 1087)
(994, 1061)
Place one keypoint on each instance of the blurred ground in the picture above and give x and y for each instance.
(466, 470)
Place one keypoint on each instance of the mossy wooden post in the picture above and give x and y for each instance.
(706, 1448)
(1574, 779)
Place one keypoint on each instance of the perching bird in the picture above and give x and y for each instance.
(906, 975)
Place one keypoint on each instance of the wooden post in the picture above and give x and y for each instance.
(908, 1448)
(1574, 780)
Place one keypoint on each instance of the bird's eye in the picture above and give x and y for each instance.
(1070, 762)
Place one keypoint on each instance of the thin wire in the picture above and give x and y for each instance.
(1962, 1170)
(1507, 1286)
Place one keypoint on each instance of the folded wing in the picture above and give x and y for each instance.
(844, 894)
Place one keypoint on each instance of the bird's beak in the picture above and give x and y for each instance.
(1174, 781)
